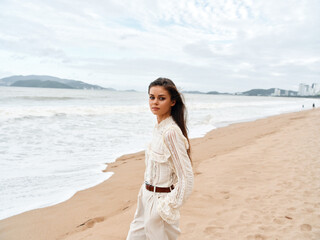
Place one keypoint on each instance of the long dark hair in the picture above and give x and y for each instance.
(178, 111)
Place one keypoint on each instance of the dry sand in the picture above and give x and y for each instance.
(256, 180)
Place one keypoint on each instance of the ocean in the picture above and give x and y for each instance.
(55, 142)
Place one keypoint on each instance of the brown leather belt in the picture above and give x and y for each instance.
(159, 189)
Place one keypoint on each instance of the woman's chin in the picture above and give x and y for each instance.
(155, 112)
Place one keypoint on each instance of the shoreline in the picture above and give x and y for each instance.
(90, 208)
(220, 125)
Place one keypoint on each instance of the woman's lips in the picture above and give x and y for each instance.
(155, 109)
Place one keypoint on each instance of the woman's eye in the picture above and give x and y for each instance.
(160, 98)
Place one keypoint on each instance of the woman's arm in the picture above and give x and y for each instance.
(168, 206)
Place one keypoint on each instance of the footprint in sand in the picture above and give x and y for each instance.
(305, 227)
(220, 212)
(212, 229)
(307, 193)
(226, 194)
(279, 220)
(291, 209)
(90, 223)
(309, 210)
(250, 199)
(256, 237)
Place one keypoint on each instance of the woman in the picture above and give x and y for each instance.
(168, 175)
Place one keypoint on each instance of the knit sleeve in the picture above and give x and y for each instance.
(168, 205)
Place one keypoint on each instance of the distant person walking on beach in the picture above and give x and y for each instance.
(313, 105)
(168, 175)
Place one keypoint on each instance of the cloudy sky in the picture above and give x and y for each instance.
(223, 45)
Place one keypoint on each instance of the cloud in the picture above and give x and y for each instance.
(220, 45)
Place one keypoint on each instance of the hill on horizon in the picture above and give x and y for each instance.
(44, 81)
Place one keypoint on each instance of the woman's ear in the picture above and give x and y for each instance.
(173, 102)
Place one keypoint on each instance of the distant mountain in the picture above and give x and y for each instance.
(130, 90)
(40, 84)
(259, 92)
(47, 82)
(266, 92)
(211, 92)
(193, 92)
(217, 93)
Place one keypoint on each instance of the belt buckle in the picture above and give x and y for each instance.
(150, 187)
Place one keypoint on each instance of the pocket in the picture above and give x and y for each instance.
(156, 156)
(160, 158)
(157, 212)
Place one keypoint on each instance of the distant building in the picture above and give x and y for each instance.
(277, 92)
(303, 89)
(306, 90)
(315, 89)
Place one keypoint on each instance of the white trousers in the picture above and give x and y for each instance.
(147, 223)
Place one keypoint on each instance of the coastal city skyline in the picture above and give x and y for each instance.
(304, 90)
(309, 90)
(223, 45)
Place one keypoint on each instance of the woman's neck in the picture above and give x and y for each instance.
(161, 118)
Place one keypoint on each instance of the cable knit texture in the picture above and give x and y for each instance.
(167, 163)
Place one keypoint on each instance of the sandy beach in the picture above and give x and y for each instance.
(254, 180)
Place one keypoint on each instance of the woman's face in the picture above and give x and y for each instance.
(160, 102)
